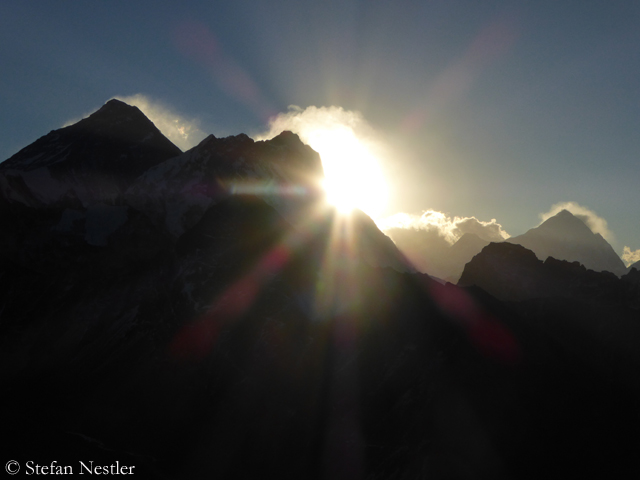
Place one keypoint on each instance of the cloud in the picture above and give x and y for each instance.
(182, 131)
(426, 239)
(447, 227)
(300, 120)
(596, 223)
(630, 256)
(307, 122)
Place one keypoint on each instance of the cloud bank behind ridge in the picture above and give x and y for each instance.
(447, 227)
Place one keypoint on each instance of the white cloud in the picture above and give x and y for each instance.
(182, 131)
(306, 121)
(596, 223)
(630, 256)
(449, 228)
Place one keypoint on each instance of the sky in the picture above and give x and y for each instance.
(494, 110)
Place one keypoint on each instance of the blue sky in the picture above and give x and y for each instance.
(492, 109)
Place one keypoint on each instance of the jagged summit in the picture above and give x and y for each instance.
(180, 190)
(286, 137)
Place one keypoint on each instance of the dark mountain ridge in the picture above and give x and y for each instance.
(511, 272)
(216, 319)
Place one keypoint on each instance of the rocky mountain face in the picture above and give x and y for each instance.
(208, 316)
(566, 237)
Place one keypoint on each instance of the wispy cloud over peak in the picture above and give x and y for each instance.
(305, 122)
(596, 223)
(182, 131)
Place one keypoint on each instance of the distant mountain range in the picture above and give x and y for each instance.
(566, 237)
(563, 237)
(205, 314)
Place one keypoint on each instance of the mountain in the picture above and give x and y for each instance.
(64, 191)
(182, 188)
(634, 265)
(431, 253)
(213, 317)
(91, 161)
(462, 252)
(511, 272)
(566, 237)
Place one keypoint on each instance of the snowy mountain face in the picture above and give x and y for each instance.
(566, 237)
(204, 315)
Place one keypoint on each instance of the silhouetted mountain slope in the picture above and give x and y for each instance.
(511, 272)
(566, 237)
(91, 161)
(462, 252)
(267, 335)
(430, 253)
(177, 192)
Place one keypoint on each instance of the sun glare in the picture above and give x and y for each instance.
(353, 178)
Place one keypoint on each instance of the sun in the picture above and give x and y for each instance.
(353, 177)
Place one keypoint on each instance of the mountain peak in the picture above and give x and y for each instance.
(116, 116)
(95, 158)
(115, 104)
(566, 236)
(286, 137)
(566, 221)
